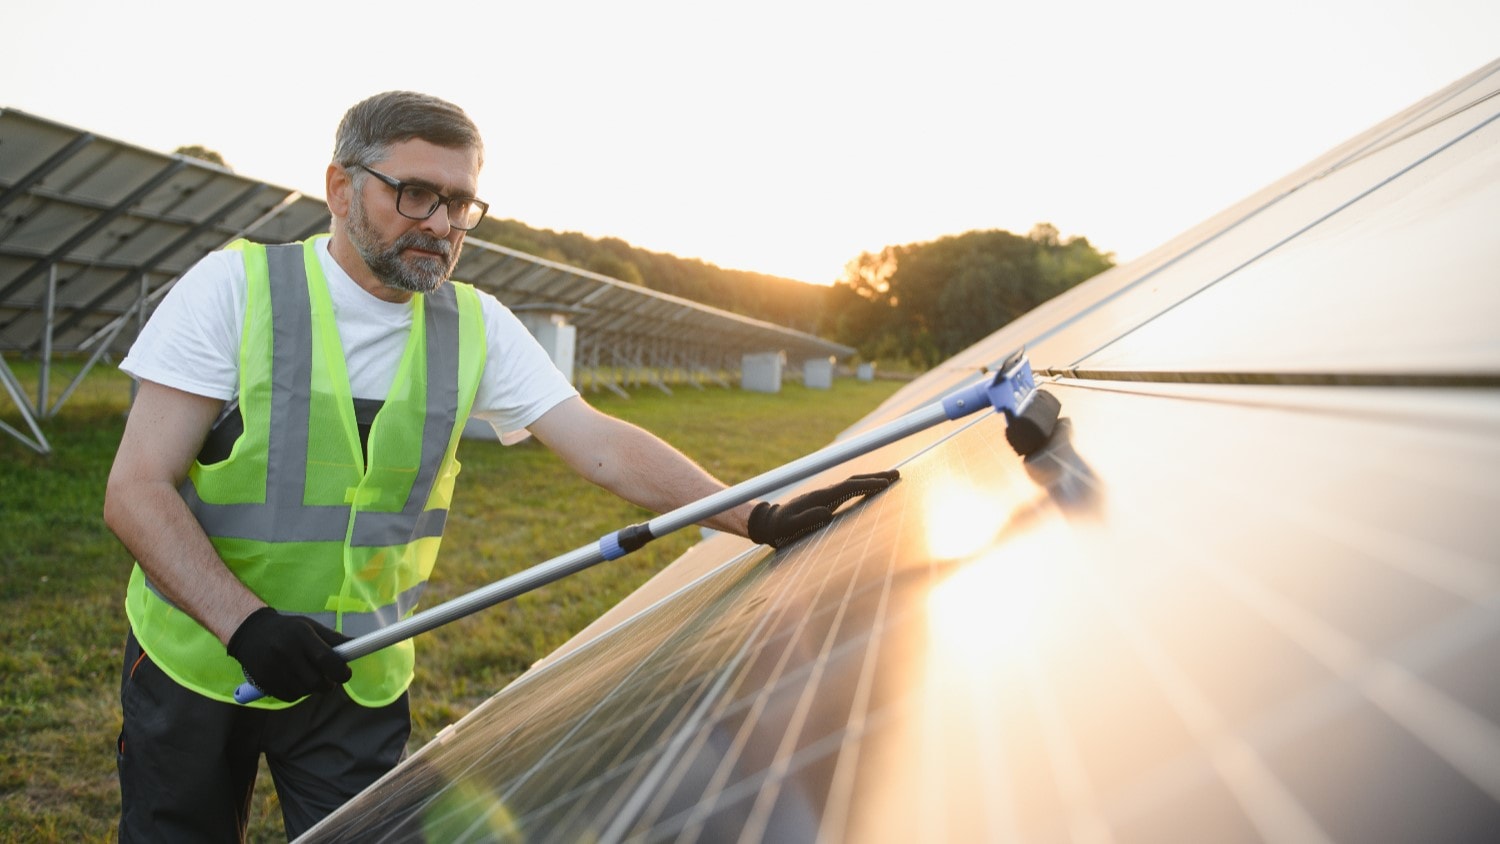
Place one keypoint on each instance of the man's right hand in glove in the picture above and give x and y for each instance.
(779, 525)
(288, 656)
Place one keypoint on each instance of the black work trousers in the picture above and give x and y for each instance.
(188, 763)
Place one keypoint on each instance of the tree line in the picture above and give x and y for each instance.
(912, 305)
(921, 303)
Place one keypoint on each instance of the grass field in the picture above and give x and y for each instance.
(63, 578)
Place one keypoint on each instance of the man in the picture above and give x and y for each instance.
(286, 470)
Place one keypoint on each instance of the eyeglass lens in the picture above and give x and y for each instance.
(420, 203)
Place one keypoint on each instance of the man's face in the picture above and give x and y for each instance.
(415, 256)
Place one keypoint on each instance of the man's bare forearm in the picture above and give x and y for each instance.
(153, 522)
(632, 463)
(163, 434)
(658, 477)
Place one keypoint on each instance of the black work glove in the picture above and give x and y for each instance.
(779, 525)
(288, 656)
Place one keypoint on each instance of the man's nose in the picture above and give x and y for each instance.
(438, 223)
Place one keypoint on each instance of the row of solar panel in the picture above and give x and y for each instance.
(117, 223)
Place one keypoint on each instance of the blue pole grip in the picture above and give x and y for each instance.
(247, 693)
(963, 402)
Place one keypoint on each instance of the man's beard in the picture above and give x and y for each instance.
(422, 275)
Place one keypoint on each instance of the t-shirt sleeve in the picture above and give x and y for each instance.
(520, 382)
(192, 341)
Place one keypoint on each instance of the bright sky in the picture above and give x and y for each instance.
(782, 137)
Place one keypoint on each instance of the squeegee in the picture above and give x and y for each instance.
(1030, 414)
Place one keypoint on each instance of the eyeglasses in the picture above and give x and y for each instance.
(416, 202)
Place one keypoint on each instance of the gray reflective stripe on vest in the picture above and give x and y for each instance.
(283, 517)
(355, 623)
(269, 522)
(415, 521)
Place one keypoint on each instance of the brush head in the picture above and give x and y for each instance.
(1028, 431)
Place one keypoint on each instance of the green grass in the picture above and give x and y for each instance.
(62, 620)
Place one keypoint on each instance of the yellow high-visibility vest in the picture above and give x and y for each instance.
(296, 511)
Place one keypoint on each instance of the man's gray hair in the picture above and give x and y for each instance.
(372, 127)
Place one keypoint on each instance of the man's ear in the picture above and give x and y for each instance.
(340, 191)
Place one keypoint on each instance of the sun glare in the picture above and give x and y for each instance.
(1005, 582)
(961, 519)
(998, 604)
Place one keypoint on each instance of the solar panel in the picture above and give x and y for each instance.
(1249, 592)
(978, 656)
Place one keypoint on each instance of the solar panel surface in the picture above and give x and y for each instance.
(1250, 592)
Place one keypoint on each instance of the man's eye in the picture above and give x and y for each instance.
(421, 197)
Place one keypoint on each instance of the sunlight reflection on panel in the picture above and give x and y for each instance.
(945, 773)
(1000, 601)
(961, 519)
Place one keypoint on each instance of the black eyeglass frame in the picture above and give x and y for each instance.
(400, 188)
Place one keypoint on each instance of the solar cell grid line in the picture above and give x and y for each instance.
(627, 807)
(267, 227)
(749, 785)
(649, 671)
(620, 733)
(625, 681)
(756, 824)
(837, 807)
(831, 564)
(726, 714)
(1203, 559)
(489, 766)
(616, 775)
(666, 776)
(733, 791)
(746, 788)
(1456, 572)
(571, 813)
(1267, 802)
(1468, 742)
(489, 756)
(705, 668)
(911, 474)
(1440, 650)
(932, 781)
(1452, 732)
(665, 717)
(1084, 820)
(963, 787)
(1000, 798)
(579, 663)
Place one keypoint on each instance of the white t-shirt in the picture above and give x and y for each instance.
(192, 343)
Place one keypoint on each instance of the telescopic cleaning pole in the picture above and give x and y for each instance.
(1030, 416)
